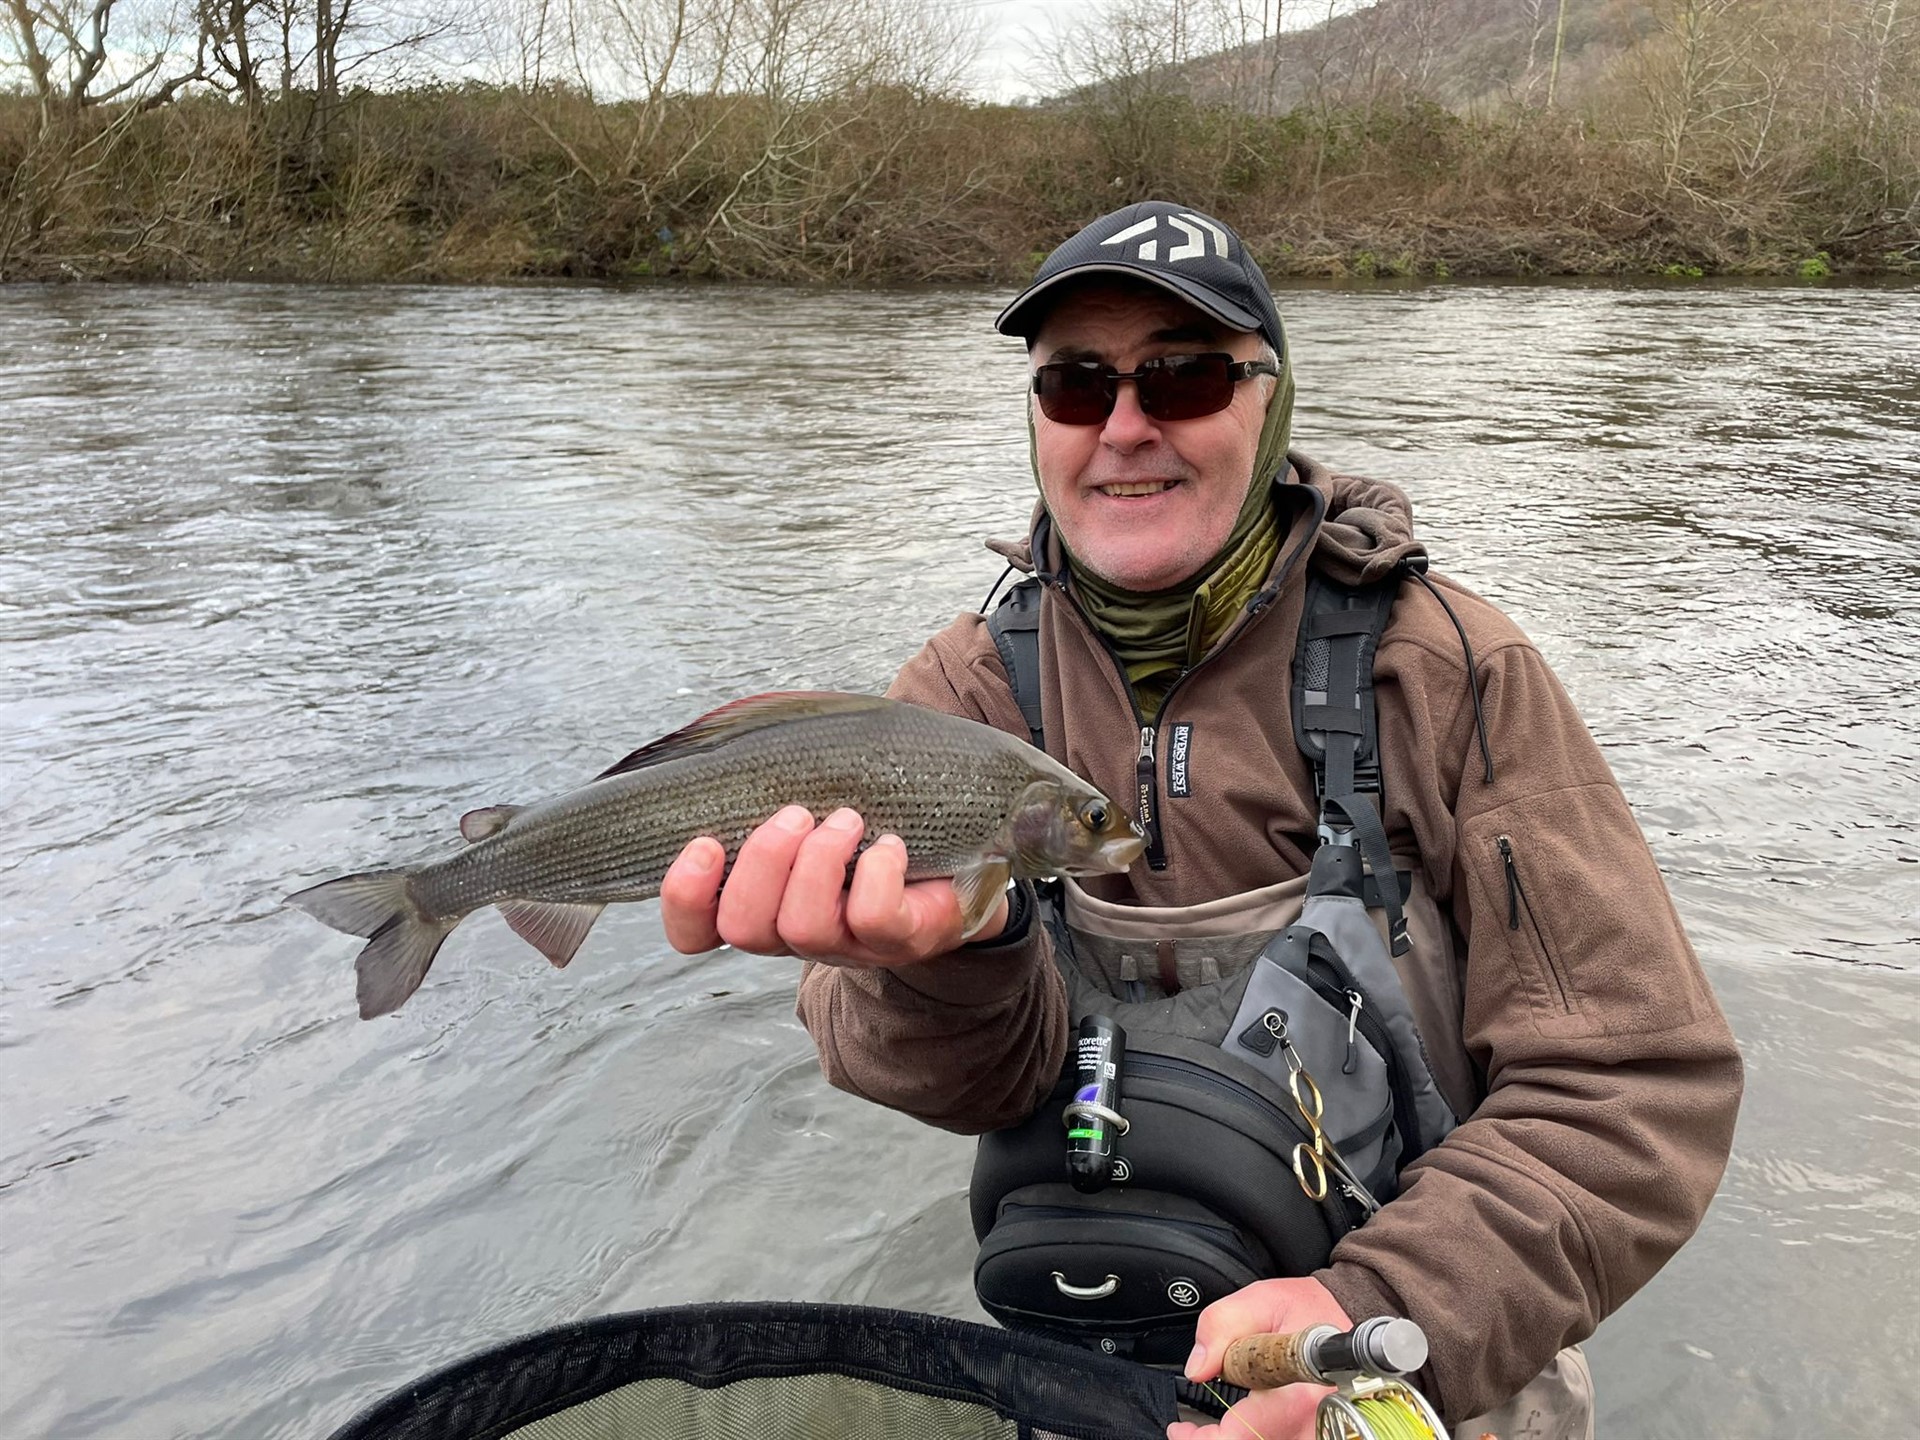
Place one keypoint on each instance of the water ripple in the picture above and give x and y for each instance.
(291, 578)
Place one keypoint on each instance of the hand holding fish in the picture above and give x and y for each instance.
(956, 803)
(788, 894)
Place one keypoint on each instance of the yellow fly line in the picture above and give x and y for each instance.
(1389, 1411)
(1393, 1411)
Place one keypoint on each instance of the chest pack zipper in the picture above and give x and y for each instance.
(1339, 993)
(1145, 1065)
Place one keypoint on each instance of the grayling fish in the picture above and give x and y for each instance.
(970, 802)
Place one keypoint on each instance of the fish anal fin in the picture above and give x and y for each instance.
(979, 884)
(478, 825)
(741, 717)
(555, 930)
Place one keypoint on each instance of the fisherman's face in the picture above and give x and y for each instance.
(1143, 502)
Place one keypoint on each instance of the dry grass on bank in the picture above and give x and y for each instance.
(886, 186)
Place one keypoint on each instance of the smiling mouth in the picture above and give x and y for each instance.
(1131, 488)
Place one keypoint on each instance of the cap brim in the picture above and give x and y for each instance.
(1020, 319)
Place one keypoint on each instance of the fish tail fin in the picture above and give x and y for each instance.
(402, 937)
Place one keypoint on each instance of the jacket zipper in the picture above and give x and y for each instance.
(1146, 765)
(1146, 788)
(1516, 903)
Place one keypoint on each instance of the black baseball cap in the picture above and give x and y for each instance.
(1194, 256)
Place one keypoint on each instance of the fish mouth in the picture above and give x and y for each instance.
(1110, 857)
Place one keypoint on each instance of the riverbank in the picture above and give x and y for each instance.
(481, 184)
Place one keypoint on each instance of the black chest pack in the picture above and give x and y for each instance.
(1248, 1122)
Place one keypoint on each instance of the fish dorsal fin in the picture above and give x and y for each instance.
(742, 717)
(478, 825)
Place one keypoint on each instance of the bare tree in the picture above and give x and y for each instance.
(1117, 63)
(1559, 48)
(227, 39)
(67, 50)
(1883, 34)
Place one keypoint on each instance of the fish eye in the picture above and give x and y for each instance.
(1095, 816)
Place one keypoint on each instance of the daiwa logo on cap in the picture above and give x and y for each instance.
(1196, 229)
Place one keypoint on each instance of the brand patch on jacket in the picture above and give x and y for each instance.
(1177, 750)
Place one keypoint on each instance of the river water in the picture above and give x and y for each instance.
(291, 578)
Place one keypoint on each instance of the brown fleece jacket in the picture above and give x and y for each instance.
(1576, 1034)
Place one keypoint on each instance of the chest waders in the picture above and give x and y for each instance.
(1268, 1091)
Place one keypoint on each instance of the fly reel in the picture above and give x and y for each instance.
(1367, 1365)
(1374, 1408)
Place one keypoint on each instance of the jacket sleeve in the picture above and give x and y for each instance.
(1612, 1077)
(972, 1040)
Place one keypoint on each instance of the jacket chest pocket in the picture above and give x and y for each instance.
(1565, 891)
(1523, 919)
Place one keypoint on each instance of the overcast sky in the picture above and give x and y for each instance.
(1018, 34)
(1012, 28)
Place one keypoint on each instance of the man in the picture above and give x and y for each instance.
(1561, 1011)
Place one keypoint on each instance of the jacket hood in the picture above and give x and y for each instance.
(1369, 526)
(1367, 532)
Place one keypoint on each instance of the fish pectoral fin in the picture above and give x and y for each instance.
(555, 930)
(478, 825)
(979, 886)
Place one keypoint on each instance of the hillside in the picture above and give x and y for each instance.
(1464, 54)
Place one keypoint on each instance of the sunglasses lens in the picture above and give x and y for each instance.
(1185, 387)
(1175, 387)
(1074, 394)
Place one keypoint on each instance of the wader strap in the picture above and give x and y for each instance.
(1336, 724)
(1015, 628)
(1165, 954)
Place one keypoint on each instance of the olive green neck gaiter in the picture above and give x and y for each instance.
(1159, 635)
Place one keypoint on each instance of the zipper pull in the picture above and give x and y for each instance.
(1353, 1020)
(1513, 883)
(1144, 780)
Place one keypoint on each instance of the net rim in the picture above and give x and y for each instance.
(1030, 1379)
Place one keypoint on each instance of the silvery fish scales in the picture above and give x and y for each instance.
(969, 802)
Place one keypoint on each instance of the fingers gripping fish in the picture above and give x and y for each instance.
(971, 802)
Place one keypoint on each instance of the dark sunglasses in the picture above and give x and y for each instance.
(1173, 387)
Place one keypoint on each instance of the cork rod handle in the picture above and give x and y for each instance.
(1266, 1362)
